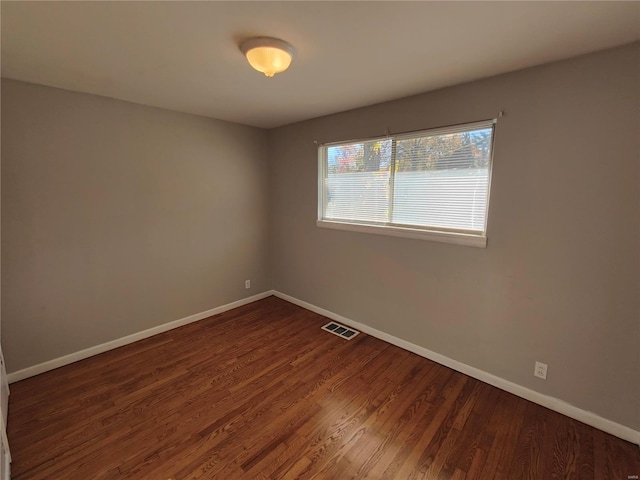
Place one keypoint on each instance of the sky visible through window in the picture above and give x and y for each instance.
(353, 156)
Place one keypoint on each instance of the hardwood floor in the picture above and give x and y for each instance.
(260, 392)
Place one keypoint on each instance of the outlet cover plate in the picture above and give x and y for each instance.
(540, 370)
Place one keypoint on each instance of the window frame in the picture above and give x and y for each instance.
(444, 235)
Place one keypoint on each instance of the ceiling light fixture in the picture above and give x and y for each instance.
(268, 55)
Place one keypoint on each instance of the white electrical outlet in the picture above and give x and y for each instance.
(247, 284)
(540, 370)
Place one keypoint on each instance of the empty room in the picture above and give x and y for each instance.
(320, 240)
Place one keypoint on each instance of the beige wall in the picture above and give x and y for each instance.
(118, 217)
(559, 281)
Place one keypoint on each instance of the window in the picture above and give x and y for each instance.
(432, 184)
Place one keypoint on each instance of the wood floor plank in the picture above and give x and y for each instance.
(505, 428)
(527, 460)
(387, 405)
(613, 458)
(261, 392)
(412, 458)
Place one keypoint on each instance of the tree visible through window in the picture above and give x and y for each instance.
(435, 180)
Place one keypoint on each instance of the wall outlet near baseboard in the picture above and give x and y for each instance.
(540, 370)
(247, 284)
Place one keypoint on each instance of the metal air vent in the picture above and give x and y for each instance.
(340, 330)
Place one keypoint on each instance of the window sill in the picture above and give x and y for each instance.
(468, 240)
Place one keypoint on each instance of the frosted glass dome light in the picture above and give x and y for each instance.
(268, 55)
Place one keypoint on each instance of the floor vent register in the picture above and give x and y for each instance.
(340, 330)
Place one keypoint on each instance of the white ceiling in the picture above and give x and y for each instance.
(184, 56)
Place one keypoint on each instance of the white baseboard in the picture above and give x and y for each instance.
(551, 403)
(89, 352)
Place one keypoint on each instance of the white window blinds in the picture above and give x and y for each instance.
(436, 180)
